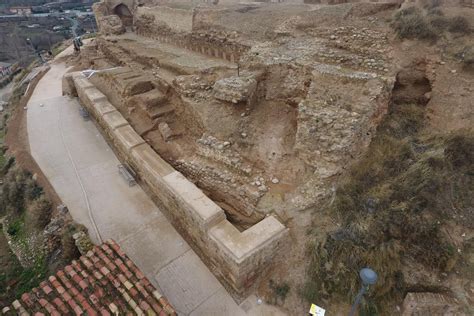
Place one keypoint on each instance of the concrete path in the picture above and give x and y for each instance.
(83, 170)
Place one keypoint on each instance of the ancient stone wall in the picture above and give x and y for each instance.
(155, 25)
(178, 20)
(238, 258)
(467, 3)
(337, 125)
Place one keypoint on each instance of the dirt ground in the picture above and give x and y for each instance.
(17, 142)
(270, 128)
(450, 108)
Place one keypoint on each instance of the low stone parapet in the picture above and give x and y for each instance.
(238, 258)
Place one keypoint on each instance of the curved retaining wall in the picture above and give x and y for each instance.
(237, 257)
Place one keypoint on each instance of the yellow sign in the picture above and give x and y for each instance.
(315, 310)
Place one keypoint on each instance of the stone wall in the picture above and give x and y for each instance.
(426, 303)
(178, 20)
(154, 26)
(229, 52)
(337, 123)
(238, 258)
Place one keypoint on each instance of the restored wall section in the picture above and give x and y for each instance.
(178, 20)
(237, 257)
(176, 26)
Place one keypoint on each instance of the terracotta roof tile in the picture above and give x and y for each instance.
(43, 302)
(102, 282)
(27, 299)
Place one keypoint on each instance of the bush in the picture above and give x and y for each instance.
(460, 151)
(280, 291)
(13, 190)
(393, 205)
(467, 57)
(439, 23)
(409, 23)
(459, 24)
(33, 190)
(435, 11)
(39, 213)
(68, 245)
(9, 164)
(14, 228)
(431, 4)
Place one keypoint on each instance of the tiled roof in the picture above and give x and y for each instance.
(102, 282)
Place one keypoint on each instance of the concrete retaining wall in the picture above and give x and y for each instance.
(237, 257)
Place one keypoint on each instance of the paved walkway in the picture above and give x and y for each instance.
(83, 170)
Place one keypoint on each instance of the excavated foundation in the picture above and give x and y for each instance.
(238, 258)
(256, 117)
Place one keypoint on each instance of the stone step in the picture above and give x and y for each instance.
(160, 111)
(150, 99)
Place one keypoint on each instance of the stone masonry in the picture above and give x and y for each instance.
(238, 258)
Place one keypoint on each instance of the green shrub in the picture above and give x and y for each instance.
(33, 190)
(15, 228)
(39, 213)
(431, 4)
(280, 290)
(29, 278)
(466, 55)
(435, 11)
(460, 151)
(459, 24)
(409, 23)
(9, 164)
(439, 23)
(13, 190)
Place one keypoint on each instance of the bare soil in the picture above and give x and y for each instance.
(444, 90)
(18, 146)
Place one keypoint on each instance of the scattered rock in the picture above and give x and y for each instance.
(235, 89)
(165, 131)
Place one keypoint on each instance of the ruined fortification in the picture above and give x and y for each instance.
(233, 116)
